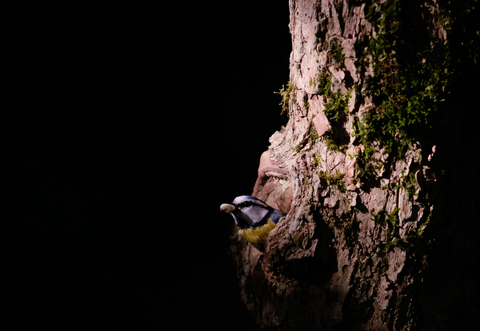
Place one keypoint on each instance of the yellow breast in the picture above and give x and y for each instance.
(258, 236)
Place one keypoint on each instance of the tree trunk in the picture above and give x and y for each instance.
(381, 230)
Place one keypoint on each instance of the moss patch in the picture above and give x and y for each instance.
(285, 94)
(411, 78)
(336, 109)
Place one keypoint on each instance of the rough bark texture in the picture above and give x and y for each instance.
(382, 251)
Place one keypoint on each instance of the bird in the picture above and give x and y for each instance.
(254, 218)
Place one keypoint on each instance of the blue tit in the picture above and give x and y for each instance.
(254, 218)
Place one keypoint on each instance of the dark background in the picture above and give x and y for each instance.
(129, 123)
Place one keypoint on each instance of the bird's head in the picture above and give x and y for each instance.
(246, 210)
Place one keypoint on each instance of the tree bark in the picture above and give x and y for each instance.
(381, 229)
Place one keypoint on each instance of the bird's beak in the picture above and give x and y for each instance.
(227, 208)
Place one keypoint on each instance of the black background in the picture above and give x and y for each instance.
(129, 123)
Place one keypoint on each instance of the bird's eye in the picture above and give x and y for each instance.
(245, 204)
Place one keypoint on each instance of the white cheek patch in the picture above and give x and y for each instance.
(255, 213)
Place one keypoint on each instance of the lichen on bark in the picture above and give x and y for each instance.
(356, 169)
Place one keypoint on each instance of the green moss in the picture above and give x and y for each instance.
(306, 180)
(364, 169)
(410, 185)
(313, 132)
(338, 56)
(312, 135)
(334, 179)
(336, 107)
(324, 83)
(329, 140)
(300, 146)
(409, 83)
(408, 182)
(382, 217)
(335, 53)
(317, 161)
(409, 80)
(285, 94)
(391, 222)
(413, 72)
